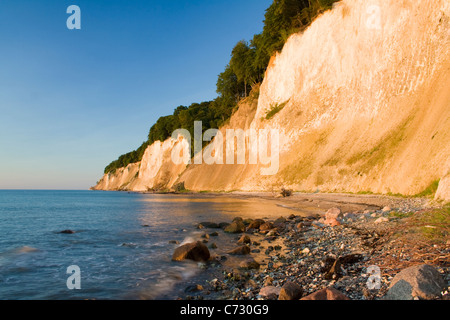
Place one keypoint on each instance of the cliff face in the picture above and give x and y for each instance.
(363, 105)
(155, 171)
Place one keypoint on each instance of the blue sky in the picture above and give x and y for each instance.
(71, 101)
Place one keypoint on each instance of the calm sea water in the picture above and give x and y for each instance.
(121, 242)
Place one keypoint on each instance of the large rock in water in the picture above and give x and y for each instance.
(196, 251)
(421, 281)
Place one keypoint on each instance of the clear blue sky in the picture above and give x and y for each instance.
(71, 101)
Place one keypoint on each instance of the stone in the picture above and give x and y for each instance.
(196, 251)
(386, 209)
(255, 224)
(279, 222)
(210, 225)
(214, 234)
(242, 250)
(223, 225)
(381, 220)
(418, 282)
(333, 217)
(194, 288)
(266, 226)
(67, 232)
(235, 227)
(332, 222)
(213, 245)
(300, 226)
(249, 264)
(326, 294)
(290, 291)
(335, 271)
(270, 292)
(306, 251)
(334, 213)
(174, 242)
(245, 239)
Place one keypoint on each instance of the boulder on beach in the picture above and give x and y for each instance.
(67, 232)
(333, 217)
(326, 294)
(290, 291)
(266, 226)
(418, 282)
(196, 251)
(249, 263)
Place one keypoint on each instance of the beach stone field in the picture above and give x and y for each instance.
(338, 255)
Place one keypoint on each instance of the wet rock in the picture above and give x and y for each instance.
(245, 239)
(235, 227)
(421, 281)
(196, 251)
(266, 226)
(255, 224)
(381, 220)
(326, 294)
(67, 232)
(242, 250)
(214, 234)
(194, 288)
(290, 291)
(174, 242)
(213, 245)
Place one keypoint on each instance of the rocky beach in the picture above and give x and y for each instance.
(332, 247)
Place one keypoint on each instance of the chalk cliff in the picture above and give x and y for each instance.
(363, 104)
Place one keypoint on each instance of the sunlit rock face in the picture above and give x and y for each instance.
(362, 104)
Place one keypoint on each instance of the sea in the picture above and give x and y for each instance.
(121, 246)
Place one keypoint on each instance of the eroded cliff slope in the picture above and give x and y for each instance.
(362, 103)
